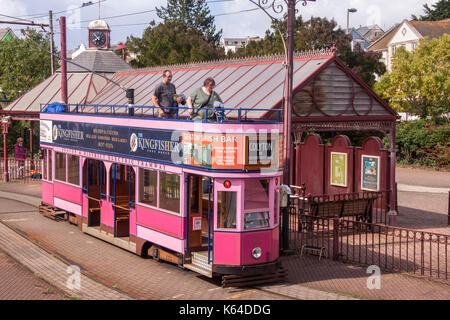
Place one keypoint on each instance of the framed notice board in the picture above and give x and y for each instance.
(370, 173)
(338, 169)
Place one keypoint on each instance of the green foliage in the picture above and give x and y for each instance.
(420, 81)
(22, 65)
(194, 14)
(440, 11)
(171, 43)
(318, 33)
(424, 142)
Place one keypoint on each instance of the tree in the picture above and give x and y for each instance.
(440, 11)
(171, 43)
(22, 65)
(194, 14)
(419, 82)
(318, 33)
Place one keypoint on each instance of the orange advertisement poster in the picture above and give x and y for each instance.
(212, 150)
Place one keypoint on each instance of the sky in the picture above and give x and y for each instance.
(233, 23)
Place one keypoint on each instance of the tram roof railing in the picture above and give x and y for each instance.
(228, 115)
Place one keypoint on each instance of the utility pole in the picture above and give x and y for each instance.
(289, 89)
(64, 98)
(52, 44)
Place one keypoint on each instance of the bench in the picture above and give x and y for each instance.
(319, 250)
(361, 208)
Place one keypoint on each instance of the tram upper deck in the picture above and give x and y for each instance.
(239, 140)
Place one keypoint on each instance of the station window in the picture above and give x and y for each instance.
(60, 166)
(44, 164)
(169, 192)
(226, 209)
(256, 194)
(73, 166)
(148, 186)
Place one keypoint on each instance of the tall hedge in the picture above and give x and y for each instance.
(424, 142)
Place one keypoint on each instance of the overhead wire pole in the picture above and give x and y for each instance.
(278, 8)
(52, 44)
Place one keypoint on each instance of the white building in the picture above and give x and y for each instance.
(232, 44)
(407, 34)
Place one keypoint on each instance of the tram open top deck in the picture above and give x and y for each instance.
(237, 141)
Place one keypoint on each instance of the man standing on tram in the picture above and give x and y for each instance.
(165, 97)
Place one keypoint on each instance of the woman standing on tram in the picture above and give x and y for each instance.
(201, 101)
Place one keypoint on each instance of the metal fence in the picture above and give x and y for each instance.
(26, 171)
(391, 248)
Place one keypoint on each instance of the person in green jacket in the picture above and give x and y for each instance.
(201, 101)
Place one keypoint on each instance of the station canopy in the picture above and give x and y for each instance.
(324, 87)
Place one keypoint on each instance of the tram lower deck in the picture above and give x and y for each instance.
(211, 212)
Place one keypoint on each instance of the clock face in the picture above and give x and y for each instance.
(98, 38)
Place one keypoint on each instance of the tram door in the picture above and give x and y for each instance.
(122, 192)
(94, 184)
(200, 215)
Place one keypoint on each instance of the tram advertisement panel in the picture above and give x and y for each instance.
(147, 143)
(212, 150)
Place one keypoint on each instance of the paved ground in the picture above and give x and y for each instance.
(309, 277)
(19, 283)
(425, 178)
(118, 269)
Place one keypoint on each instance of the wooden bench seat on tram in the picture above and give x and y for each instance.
(122, 221)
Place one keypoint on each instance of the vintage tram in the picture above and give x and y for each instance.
(203, 195)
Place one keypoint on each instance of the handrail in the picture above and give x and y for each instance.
(149, 111)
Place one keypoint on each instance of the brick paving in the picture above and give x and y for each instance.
(18, 283)
(147, 279)
(50, 268)
(335, 276)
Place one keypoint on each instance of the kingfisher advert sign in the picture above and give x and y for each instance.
(153, 144)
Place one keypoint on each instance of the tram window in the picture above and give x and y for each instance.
(74, 169)
(226, 209)
(256, 194)
(169, 192)
(44, 164)
(50, 167)
(254, 220)
(60, 166)
(148, 186)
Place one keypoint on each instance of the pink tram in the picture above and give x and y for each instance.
(203, 195)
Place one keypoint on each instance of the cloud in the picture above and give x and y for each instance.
(13, 8)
